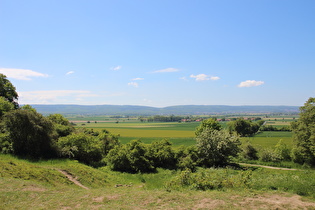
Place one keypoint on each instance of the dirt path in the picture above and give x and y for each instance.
(270, 167)
(72, 178)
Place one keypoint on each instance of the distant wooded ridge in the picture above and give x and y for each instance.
(147, 110)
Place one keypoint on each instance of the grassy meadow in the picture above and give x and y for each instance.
(40, 185)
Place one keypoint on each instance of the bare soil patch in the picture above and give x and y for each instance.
(72, 178)
(208, 203)
(275, 202)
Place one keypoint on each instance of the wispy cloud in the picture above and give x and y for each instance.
(183, 78)
(116, 68)
(168, 70)
(135, 79)
(134, 84)
(70, 72)
(204, 77)
(53, 96)
(251, 83)
(21, 74)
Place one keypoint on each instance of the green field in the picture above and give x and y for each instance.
(177, 133)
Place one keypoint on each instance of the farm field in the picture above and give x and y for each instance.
(178, 133)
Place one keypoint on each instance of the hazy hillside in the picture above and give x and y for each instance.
(146, 110)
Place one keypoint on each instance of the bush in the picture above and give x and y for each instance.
(109, 141)
(129, 158)
(62, 126)
(243, 127)
(187, 158)
(30, 133)
(249, 152)
(162, 154)
(268, 155)
(215, 148)
(84, 148)
(283, 151)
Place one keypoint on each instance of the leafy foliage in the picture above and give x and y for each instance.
(269, 155)
(187, 158)
(304, 134)
(282, 150)
(162, 154)
(129, 157)
(81, 147)
(215, 147)
(243, 127)
(30, 133)
(61, 125)
(8, 91)
(249, 152)
(211, 124)
(5, 106)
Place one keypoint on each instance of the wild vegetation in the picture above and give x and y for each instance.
(177, 159)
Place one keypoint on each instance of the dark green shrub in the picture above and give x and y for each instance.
(249, 152)
(84, 148)
(187, 158)
(129, 158)
(162, 154)
(62, 125)
(30, 133)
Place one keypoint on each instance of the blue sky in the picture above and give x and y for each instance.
(159, 52)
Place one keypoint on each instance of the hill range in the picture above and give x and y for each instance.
(147, 110)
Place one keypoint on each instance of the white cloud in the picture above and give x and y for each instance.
(134, 79)
(214, 78)
(134, 84)
(21, 74)
(70, 72)
(250, 83)
(203, 77)
(116, 68)
(166, 70)
(53, 96)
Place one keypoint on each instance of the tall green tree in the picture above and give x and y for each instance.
(304, 134)
(8, 91)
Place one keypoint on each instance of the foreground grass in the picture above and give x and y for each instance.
(38, 185)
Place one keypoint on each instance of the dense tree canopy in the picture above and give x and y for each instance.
(304, 134)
